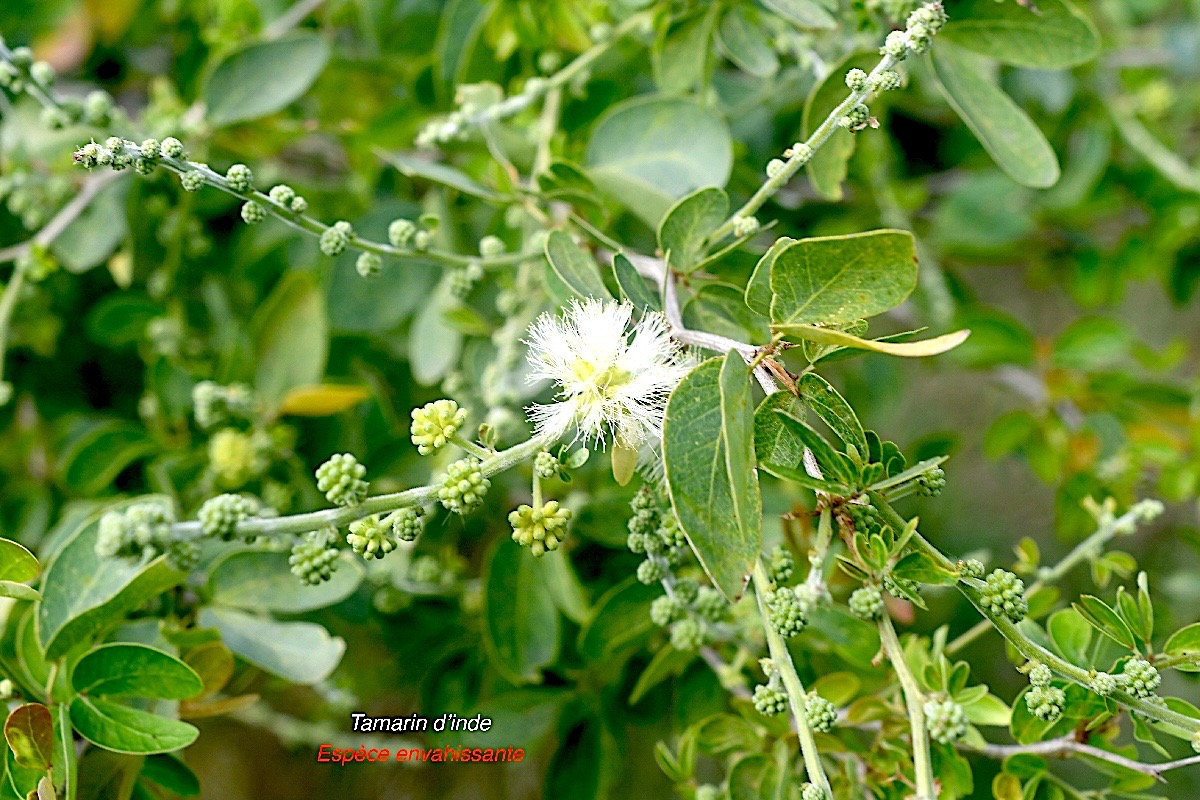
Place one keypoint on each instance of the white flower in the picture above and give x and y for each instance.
(611, 380)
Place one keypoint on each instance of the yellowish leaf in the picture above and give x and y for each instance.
(321, 400)
(829, 336)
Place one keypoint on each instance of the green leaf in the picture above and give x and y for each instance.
(169, 772)
(746, 43)
(988, 710)
(804, 13)
(291, 339)
(29, 731)
(17, 563)
(127, 730)
(833, 410)
(758, 288)
(522, 626)
(924, 348)
(838, 688)
(443, 174)
(254, 579)
(575, 267)
(923, 569)
(1185, 641)
(721, 309)
(1105, 620)
(563, 584)
(840, 279)
(1054, 36)
(667, 662)
(829, 164)
(619, 620)
(1071, 635)
(96, 233)
(679, 56)
(633, 285)
(835, 467)
(434, 344)
(263, 77)
(120, 318)
(1005, 131)
(908, 474)
(83, 594)
(134, 670)
(648, 152)
(775, 442)
(708, 453)
(688, 224)
(301, 652)
(95, 457)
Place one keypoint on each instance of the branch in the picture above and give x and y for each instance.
(914, 701)
(1067, 747)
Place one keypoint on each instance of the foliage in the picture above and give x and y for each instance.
(494, 358)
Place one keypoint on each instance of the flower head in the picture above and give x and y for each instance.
(613, 378)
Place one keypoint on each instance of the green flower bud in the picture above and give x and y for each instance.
(1140, 677)
(782, 566)
(709, 604)
(546, 465)
(491, 246)
(1004, 593)
(785, 613)
(368, 265)
(463, 486)
(971, 568)
(253, 213)
(1040, 675)
(183, 555)
(896, 45)
(235, 458)
(172, 147)
(932, 482)
(865, 517)
(139, 530)
(886, 81)
(775, 168)
(240, 178)
(636, 542)
(282, 194)
(651, 571)
(946, 720)
(707, 791)
(219, 516)
(821, 714)
(298, 205)
(427, 569)
(435, 424)
(370, 538)
(540, 529)
(98, 108)
(407, 523)
(191, 181)
(42, 74)
(856, 118)
(687, 634)
(665, 610)
(768, 701)
(1103, 684)
(856, 80)
(341, 479)
(335, 238)
(687, 590)
(53, 118)
(813, 792)
(22, 57)
(1046, 702)
(314, 558)
(401, 231)
(867, 603)
(900, 587)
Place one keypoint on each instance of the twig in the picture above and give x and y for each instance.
(1067, 747)
(291, 18)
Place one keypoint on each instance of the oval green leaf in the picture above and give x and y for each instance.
(17, 563)
(575, 267)
(263, 77)
(1054, 36)
(688, 224)
(301, 652)
(522, 627)
(127, 730)
(134, 670)
(261, 580)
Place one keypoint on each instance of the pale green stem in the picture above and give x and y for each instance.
(798, 159)
(791, 684)
(480, 452)
(8, 302)
(379, 504)
(914, 701)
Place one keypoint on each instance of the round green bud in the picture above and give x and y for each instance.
(172, 147)
(867, 603)
(463, 486)
(98, 107)
(540, 529)
(687, 634)
(183, 555)
(191, 181)
(709, 603)
(22, 57)
(401, 231)
(219, 516)
(652, 544)
(1103, 684)
(801, 153)
(54, 118)
(786, 613)
(812, 792)
(42, 73)
(1004, 593)
(651, 571)
(282, 194)
(240, 178)
(946, 720)
(670, 533)
(253, 213)
(745, 226)
(407, 523)
(314, 558)
(886, 81)
(491, 246)
(427, 569)
(900, 587)
(768, 701)
(775, 167)
(1140, 677)
(341, 479)
(435, 424)
(138, 530)
(144, 166)
(368, 265)
(1046, 702)
(1040, 675)
(665, 610)
(1196, 742)
(687, 590)
(546, 465)
(636, 542)
(335, 238)
(856, 80)
(370, 538)
(865, 517)
(235, 458)
(856, 118)
(971, 568)
(706, 791)
(298, 204)
(645, 522)
(821, 714)
(932, 482)
(782, 566)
